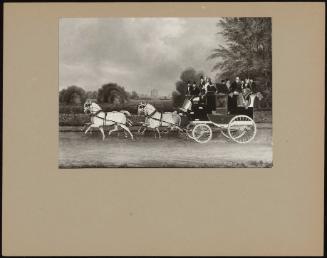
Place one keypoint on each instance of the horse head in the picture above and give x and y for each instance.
(141, 107)
(91, 107)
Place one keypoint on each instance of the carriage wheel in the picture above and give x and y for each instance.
(242, 129)
(189, 130)
(202, 133)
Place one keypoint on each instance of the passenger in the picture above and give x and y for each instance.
(202, 89)
(252, 85)
(211, 98)
(195, 89)
(222, 87)
(247, 83)
(207, 84)
(234, 91)
(228, 84)
(189, 89)
(202, 85)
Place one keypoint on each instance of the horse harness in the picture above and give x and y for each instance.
(160, 120)
(105, 117)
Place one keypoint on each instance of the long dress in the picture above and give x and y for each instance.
(211, 98)
(232, 101)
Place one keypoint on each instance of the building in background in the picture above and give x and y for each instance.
(154, 93)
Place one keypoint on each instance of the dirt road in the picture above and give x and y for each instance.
(84, 151)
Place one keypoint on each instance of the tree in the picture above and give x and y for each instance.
(112, 93)
(72, 95)
(187, 75)
(91, 94)
(134, 95)
(247, 52)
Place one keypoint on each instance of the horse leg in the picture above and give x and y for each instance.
(157, 129)
(127, 129)
(144, 129)
(102, 131)
(139, 131)
(113, 130)
(88, 129)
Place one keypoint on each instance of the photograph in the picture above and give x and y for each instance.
(163, 129)
(165, 92)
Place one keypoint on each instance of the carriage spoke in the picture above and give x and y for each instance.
(242, 129)
(202, 133)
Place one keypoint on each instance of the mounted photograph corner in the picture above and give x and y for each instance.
(165, 92)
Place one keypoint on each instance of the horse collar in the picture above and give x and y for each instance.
(152, 113)
(96, 113)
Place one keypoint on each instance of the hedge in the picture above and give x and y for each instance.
(81, 119)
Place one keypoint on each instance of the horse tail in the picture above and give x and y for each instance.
(125, 112)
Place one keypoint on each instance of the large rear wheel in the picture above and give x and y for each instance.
(202, 133)
(242, 129)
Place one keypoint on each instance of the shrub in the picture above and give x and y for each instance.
(73, 95)
(112, 93)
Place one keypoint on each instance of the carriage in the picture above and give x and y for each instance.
(200, 119)
(197, 118)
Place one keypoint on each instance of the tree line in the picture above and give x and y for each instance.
(111, 93)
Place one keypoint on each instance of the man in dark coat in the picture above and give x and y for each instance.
(234, 90)
(189, 89)
(195, 89)
(211, 97)
(221, 86)
(252, 85)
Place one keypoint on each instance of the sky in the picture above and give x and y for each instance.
(138, 53)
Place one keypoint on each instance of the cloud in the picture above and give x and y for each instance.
(137, 53)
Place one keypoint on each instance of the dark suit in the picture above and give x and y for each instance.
(195, 91)
(222, 88)
(189, 89)
(202, 87)
(211, 98)
(253, 87)
(232, 101)
(235, 87)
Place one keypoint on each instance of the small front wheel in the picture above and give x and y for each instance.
(202, 133)
(189, 130)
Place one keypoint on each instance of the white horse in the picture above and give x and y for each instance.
(99, 118)
(154, 119)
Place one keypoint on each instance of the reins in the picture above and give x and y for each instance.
(105, 117)
(160, 120)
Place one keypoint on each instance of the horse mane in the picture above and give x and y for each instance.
(95, 105)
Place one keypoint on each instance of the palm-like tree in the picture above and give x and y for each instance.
(247, 51)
